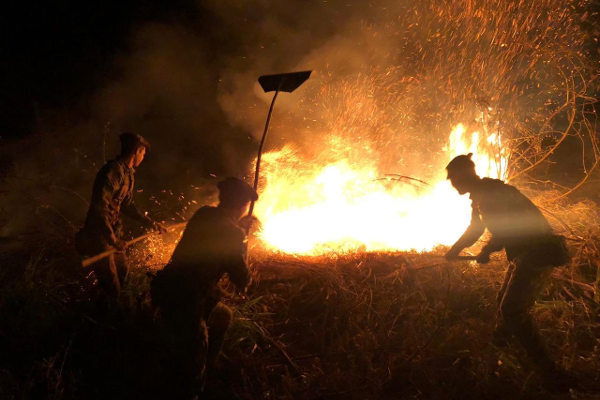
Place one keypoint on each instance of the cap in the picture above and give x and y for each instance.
(460, 164)
(234, 188)
(129, 141)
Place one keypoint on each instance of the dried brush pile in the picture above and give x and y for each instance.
(359, 326)
(397, 326)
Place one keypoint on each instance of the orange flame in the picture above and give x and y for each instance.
(341, 207)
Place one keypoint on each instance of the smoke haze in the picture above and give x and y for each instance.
(391, 78)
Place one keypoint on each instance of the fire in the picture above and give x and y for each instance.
(343, 206)
(490, 156)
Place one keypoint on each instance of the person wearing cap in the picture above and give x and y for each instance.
(112, 198)
(518, 227)
(186, 291)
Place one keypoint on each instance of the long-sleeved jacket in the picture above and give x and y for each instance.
(514, 222)
(212, 245)
(112, 197)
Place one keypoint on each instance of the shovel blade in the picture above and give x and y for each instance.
(283, 82)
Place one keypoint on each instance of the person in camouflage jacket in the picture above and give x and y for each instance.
(112, 198)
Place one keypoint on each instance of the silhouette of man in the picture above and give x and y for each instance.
(517, 226)
(186, 291)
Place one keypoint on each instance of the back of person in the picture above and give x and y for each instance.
(209, 242)
(211, 245)
(517, 223)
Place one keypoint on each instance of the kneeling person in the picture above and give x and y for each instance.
(186, 291)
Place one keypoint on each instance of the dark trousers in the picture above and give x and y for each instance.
(111, 271)
(522, 284)
(195, 341)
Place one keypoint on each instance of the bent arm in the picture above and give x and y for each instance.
(471, 234)
(492, 246)
(129, 209)
(235, 262)
(238, 273)
(107, 183)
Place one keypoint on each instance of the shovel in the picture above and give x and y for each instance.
(278, 83)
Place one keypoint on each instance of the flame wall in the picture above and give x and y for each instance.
(313, 207)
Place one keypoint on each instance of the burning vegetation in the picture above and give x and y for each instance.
(334, 205)
(351, 296)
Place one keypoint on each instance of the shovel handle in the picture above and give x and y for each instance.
(459, 258)
(91, 260)
(463, 258)
(259, 156)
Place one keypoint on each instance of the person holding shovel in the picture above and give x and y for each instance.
(186, 291)
(518, 227)
(112, 198)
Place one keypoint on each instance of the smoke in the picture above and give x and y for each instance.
(390, 78)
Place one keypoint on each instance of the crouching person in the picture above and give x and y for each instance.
(186, 291)
(533, 250)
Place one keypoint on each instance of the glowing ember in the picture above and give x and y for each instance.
(308, 209)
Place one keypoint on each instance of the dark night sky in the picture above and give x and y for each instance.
(55, 53)
(173, 71)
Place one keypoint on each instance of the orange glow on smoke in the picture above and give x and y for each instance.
(340, 207)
